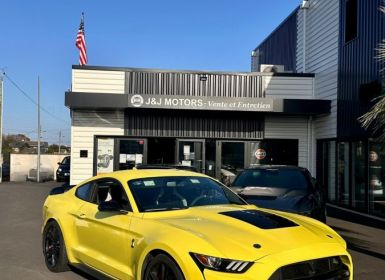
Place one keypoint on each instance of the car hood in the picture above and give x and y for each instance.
(293, 200)
(249, 233)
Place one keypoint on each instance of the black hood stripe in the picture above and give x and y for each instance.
(260, 219)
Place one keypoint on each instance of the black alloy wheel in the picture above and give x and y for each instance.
(54, 249)
(161, 267)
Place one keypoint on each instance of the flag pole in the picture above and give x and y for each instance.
(81, 42)
(38, 130)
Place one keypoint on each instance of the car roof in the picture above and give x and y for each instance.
(132, 174)
(286, 167)
(165, 166)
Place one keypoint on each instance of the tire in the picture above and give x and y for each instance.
(162, 267)
(54, 250)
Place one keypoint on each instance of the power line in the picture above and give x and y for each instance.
(31, 99)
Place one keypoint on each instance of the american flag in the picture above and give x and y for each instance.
(81, 43)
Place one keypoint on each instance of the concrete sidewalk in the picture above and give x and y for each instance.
(366, 245)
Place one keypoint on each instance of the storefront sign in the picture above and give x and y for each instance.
(200, 103)
(260, 154)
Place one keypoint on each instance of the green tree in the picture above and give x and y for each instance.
(53, 148)
(375, 118)
(9, 142)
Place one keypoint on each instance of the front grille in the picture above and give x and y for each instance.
(330, 268)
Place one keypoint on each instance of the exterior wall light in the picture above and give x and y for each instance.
(305, 4)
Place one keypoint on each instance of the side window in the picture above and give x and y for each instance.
(351, 20)
(111, 190)
(83, 192)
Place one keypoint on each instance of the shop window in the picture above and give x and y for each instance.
(191, 154)
(343, 173)
(161, 151)
(330, 164)
(350, 20)
(210, 157)
(274, 151)
(359, 167)
(232, 157)
(376, 156)
(131, 153)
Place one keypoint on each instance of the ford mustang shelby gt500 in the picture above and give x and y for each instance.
(175, 224)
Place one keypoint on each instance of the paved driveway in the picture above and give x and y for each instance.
(20, 239)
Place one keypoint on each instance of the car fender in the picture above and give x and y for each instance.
(65, 224)
(188, 267)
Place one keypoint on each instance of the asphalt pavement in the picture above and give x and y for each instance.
(20, 238)
(366, 245)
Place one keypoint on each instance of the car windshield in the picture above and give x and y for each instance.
(276, 178)
(66, 160)
(171, 193)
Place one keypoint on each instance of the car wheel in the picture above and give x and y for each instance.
(54, 250)
(161, 267)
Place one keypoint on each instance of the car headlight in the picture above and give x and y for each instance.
(219, 264)
(59, 169)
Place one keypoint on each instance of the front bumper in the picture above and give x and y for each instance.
(62, 176)
(265, 267)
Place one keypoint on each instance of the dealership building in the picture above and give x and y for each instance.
(337, 40)
(216, 122)
(311, 79)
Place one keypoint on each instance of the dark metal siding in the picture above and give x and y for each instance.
(153, 123)
(280, 46)
(189, 84)
(357, 66)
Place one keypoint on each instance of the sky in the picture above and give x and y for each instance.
(38, 40)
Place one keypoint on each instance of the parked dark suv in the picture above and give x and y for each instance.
(285, 188)
(63, 171)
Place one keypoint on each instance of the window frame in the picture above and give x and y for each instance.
(349, 20)
(89, 193)
(118, 183)
(93, 191)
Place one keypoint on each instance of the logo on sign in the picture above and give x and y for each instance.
(137, 100)
(260, 153)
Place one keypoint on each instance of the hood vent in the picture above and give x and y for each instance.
(260, 219)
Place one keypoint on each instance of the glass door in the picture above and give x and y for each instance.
(231, 159)
(191, 152)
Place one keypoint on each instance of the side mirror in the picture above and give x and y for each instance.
(109, 206)
(58, 163)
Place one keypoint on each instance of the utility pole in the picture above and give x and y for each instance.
(59, 140)
(1, 127)
(38, 130)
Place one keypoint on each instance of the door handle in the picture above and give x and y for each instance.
(81, 216)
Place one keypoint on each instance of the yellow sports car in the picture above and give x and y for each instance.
(174, 225)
